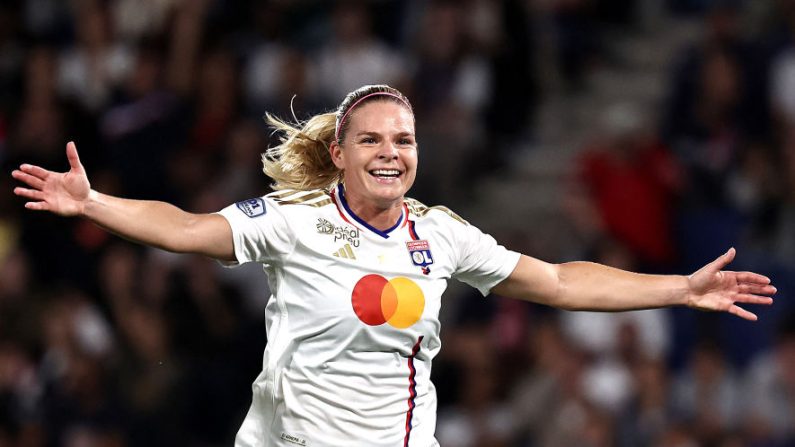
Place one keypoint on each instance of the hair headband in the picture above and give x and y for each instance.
(342, 120)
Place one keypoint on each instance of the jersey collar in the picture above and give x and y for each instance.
(338, 196)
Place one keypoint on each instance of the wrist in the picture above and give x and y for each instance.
(683, 291)
(89, 204)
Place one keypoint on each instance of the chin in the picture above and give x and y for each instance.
(387, 195)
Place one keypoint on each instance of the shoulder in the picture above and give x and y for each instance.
(314, 198)
(420, 210)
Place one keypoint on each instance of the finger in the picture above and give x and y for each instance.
(35, 171)
(748, 298)
(37, 206)
(27, 178)
(751, 277)
(722, 261)
(29, 193)
(757, 289)
(74, 159)
(742, 313)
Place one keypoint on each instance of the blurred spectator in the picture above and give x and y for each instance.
(758, 189)
(143, 127)
(79, 399)
(782, 88)
(783, 242)
(647, 419)
(511, 47)
(451, 86)
(96, 64)
(716, 104)
(12, 55)
(11, 49)
(217, 101)
(771, 391)
(547, 404)
(578, 45)
(353, 56)
(721, 32)
(479, 418)
(707, 395)
(137, 20)
(242, 175)
(278, 77)
(47, 20)
(20, 392)
(149, 370)
(39, 123)
(632, 180)
(710, 132)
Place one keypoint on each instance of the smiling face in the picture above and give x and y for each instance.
(378, 155)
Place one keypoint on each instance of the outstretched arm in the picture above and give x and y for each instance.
(590, 286)
(152, 223)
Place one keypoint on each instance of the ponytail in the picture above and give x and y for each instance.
(302, 159)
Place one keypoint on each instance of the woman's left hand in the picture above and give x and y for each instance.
(714, 289)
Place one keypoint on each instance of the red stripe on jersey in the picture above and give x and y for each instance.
(412, 390)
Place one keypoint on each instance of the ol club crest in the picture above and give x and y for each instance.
(420, 253)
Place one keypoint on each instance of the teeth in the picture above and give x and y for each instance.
(386, 172)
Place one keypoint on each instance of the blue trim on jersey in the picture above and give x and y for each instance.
(384, 234)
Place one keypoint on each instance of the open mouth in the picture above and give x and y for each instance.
(385, 173)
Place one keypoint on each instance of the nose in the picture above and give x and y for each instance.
(388, 151)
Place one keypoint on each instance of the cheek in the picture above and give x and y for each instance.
(411, 159)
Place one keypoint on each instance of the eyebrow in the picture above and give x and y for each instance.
(373, 133)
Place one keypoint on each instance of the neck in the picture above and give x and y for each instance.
(379, 216)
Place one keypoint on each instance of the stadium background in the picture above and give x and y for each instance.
(645, 134)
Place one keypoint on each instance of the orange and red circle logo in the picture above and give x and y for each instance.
(398, 301)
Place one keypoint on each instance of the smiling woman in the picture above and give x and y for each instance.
(357, 272)
(368, 144)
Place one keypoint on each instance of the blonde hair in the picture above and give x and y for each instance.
(302, 159)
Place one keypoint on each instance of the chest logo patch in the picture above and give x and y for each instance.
(345, 233)
(420, 252)
(252, 207)
(397, 301)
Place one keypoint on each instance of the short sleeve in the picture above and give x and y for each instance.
(260, 231)
(482, 262)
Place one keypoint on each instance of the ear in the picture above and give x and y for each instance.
(336, 155)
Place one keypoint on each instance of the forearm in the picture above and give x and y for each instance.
(153, 223)
(590, 286)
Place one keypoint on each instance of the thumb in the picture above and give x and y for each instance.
(74, 159)
(722, 261)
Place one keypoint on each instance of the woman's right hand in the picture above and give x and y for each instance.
(63, 193)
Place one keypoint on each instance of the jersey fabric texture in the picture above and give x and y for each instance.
(353, 324)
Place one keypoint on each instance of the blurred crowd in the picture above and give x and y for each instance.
(108, 344)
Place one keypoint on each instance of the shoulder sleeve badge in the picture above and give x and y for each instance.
(252, 207)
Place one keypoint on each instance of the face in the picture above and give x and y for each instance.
(379, 154)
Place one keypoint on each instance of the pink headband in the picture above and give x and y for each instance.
(342, 120)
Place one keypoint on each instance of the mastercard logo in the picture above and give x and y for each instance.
(398, 301)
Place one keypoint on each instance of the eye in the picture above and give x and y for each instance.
(406, 142)
(367, 140)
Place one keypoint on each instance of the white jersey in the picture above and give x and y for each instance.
(353, 322)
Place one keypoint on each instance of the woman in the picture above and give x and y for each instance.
(357, 272)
